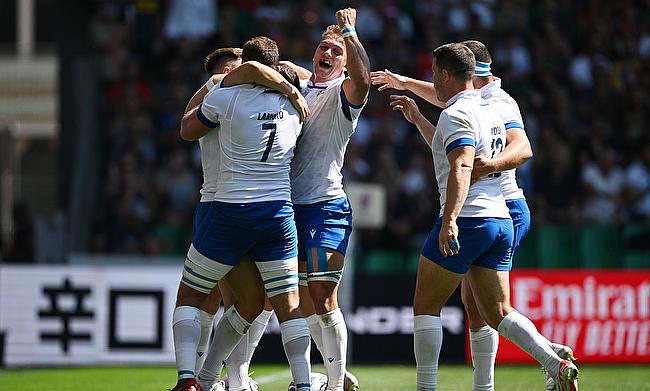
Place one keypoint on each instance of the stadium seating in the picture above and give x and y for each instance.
(636, 239)
(557, 246)
(526, 255)
(548, 246)
(601, 246)
(382, 262)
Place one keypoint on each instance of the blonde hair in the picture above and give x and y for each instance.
(332, 31)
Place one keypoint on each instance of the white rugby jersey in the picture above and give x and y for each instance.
(511, 117)
(316, 167)
(258, 129)
(470, 120)
(210, 161)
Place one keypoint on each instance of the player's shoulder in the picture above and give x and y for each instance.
(500, 97)
(222, 92)
(503, 98)
(460, 108)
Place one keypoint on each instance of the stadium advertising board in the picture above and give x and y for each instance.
(381, 325)
(77, 315)
(80, 315)
(604, 315)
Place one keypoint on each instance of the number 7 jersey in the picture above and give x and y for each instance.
(258, 129)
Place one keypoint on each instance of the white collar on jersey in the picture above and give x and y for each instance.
(489, 88)
(325, 84)
(462, 94)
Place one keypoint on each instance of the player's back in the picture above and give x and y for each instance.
(257, 136)
(511, 118)
(472, 118)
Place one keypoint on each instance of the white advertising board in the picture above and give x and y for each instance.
(69, 315)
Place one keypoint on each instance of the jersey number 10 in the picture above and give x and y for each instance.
(497, 147)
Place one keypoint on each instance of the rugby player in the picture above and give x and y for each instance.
(483, 339)
(323, 213)
(467, 127)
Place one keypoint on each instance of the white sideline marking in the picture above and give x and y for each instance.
(273, 377)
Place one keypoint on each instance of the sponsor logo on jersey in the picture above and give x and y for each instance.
(312, 232)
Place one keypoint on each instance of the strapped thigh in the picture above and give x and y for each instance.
(202, 273)
(318, 267)
(279, 276)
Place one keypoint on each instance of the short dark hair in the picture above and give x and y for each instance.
(457, 59)
(290, 74)
(481, 52)
(261, 49)
(220, 58)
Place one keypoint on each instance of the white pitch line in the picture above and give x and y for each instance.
(273, 377)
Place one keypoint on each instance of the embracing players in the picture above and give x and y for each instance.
(322, 211)
(252, 215)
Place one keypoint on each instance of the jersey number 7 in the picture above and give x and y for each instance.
(269, 144)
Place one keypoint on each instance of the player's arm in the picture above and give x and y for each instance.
(357, 85)
(516, 153)
(425, 90)
(194, 132)
(303, 74)
(461, 160)
(195, 125)
(200, 120)
(257, 73)
(412, 113)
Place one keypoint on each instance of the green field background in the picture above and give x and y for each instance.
(276, 378)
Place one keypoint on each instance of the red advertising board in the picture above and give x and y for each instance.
(604, 315)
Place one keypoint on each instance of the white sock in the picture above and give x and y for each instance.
(296, 341)
(227, 334)
(257, 331)
(239, 360)
(316, 333)
(335, 344)
(427, 341)
(237, 366)
(484, 343)
(206, 320)
(520, 330)
(187, 331)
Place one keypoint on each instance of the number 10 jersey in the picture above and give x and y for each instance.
(258, 129)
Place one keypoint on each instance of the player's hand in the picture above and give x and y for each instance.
(387, 79)
(482, 166)
(448, 239)
(407, 106)
(346, 17)
(298, 101)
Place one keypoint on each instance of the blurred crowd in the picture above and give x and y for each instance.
(579, 70)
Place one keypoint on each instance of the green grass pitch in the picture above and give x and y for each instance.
(276, 378)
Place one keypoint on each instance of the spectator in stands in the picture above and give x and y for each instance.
(578, 70)
(603, 183)
(637, 181)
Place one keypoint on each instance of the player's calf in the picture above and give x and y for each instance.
(199, 277)
(281, 284)
(484, 342)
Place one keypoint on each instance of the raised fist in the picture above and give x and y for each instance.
(346, 17)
